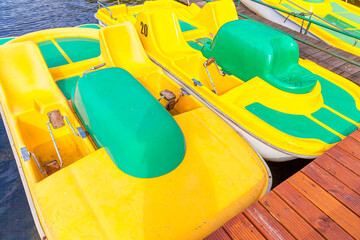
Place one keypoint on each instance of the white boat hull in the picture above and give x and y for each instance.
(276, 17)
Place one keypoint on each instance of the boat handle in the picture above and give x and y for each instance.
(94, 68)
(102, 5)
(208, 63)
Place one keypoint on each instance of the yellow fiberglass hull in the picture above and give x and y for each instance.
(176, 46)
(336, 14)
(90, 197)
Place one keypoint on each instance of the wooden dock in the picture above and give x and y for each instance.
(322, 201)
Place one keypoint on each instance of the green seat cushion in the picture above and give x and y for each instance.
(184, 26)
(52, 56)
(5, 40)
(79, 48)
(139, 135)
(248, 49)
(67, 86)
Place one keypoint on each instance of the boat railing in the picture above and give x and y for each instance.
(310, 21)
(322, 19)
(102, 5)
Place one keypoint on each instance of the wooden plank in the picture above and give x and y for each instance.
(355, 78)
(333, 62)
(356, 135)
(346, 219)
(338, 170)
(241, 228)
(333, 186)
(313, 215)
(351, 146)
(308, 50)
(345, 158)
(344, 54)
(320, 56)
(303, 54)
(219, 234)
(346, 70)
(265, 223)
(283, 213)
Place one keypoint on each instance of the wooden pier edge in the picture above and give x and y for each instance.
(322, 201)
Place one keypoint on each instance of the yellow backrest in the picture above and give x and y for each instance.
(160, 31)
(215, 14)
(120, 46)
(27, 78)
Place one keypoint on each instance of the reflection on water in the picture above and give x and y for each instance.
(16, 221)
(23, 16)
(18, 17)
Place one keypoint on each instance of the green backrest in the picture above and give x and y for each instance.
(139, 135)
(247, 49)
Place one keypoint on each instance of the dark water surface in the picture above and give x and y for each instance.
(18, 17)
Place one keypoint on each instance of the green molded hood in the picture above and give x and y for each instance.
(247, 49)
(139, 135)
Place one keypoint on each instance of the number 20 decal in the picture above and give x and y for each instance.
(144, 29)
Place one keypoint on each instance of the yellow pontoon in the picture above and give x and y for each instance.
(247, 73)
(101, 158)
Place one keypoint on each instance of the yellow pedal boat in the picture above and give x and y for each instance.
(101, 158)
(336, 14)
(247, 73)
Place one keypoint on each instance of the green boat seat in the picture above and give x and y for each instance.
(248, 49)
(140, 136)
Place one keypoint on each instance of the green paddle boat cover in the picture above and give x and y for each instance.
(140, 136)
(247, 49)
